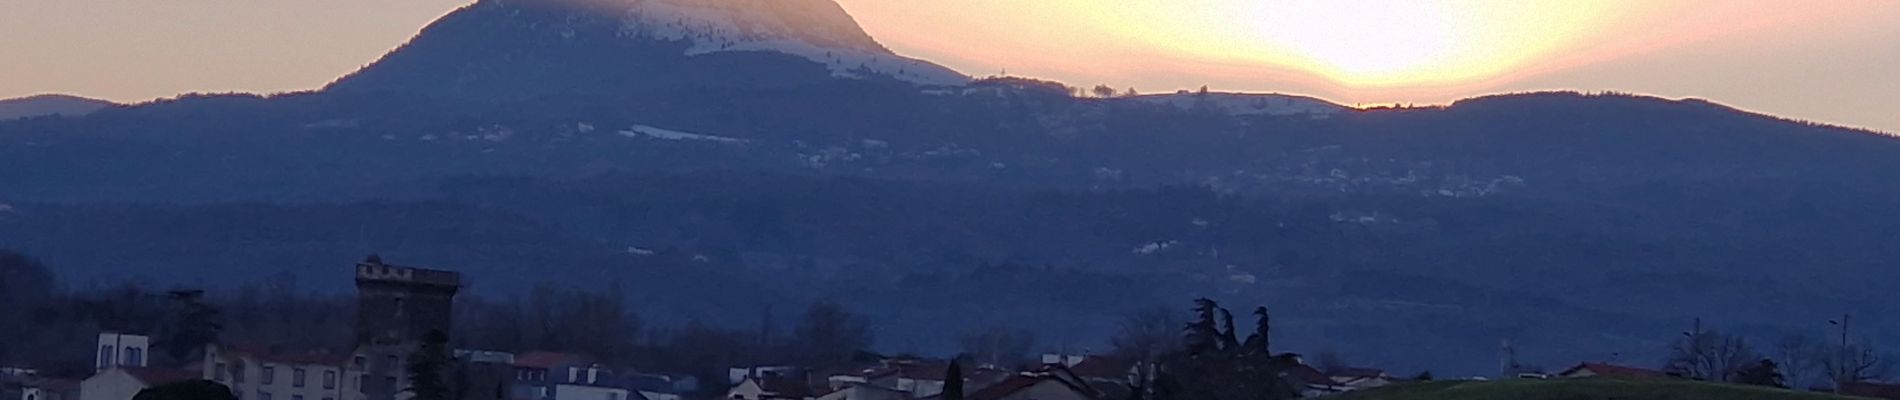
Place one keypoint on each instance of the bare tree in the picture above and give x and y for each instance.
(1148, 333)
(1710, 355)
(1854, 363)
(1801, 360)
(831, 333)
(998, 345)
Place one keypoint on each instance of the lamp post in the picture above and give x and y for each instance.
(1841, 378)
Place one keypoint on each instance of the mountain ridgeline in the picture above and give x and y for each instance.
(717, 157)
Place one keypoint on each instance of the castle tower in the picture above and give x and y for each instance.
(396, 307)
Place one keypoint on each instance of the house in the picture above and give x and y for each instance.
(121, 383)
(593, 382)
(1033, 387)
(546, 375)
(867, 392)
(662, 386)
(770, 388)
(267, 373)
(1107, 370)
(484, 375)
(535, 373)
(921, 379)
(735, 375)
(21, 383)
(39, 389)
(1601, 370)
(1360, 378)
(1313, 383)
(1872, 390)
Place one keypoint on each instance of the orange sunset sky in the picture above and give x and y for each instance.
(1835, 61)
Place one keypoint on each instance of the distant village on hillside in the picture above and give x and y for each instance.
(404, 314)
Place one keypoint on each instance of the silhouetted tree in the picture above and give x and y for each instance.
(830, 333)
(1259, 342)
(1801, 360)
(1103, 91)
(1147, 334)
(429, 366)
(1709, 355)
(1761, 373)
(998, 345)
(1858, 362)
(953, 382)
(195, 325)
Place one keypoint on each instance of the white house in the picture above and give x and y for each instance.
(273, 374)
(769, 388)
(867, 392)
(589, 383)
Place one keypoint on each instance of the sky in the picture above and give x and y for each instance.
(1834, 61)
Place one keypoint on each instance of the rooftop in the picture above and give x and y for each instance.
(373, 269)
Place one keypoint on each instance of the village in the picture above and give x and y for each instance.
(400, 308)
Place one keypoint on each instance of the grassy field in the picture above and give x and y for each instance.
(1580, 389)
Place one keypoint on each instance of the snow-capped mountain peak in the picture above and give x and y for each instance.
(817, 30)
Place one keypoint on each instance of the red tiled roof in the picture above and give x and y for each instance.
(548, 359)
(1356, 373)
(159, 376)
(1307, 374)
(785, 387)
(924, 372)
(1005, 388)
(1616, 371)
(1104, 368)
(1874, 390)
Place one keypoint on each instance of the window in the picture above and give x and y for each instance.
(390, 381)
(134, 356)
(267, 375)
(613, 396)
(105, 356)
(389, 362)
(237, 373)
(359, 385)
(296, 378)
(398, 306)
(359, 361)
(296, 397)
(263, 395)
(329, 379)
(220, 372)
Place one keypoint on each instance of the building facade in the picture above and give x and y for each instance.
(397, 307)
(264, 374)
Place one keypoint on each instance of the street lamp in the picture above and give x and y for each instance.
(1841, 369)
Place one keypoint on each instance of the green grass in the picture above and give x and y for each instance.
(1579, 389)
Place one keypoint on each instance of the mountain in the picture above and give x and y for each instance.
(49, 104)
(514, 49)
(714, 169)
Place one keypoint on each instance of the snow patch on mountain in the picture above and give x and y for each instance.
(818, 30)
(668, 134)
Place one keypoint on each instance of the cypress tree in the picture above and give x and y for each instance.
(953, 382)
(428, 368)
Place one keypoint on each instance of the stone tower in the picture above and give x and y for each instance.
(396, 307)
